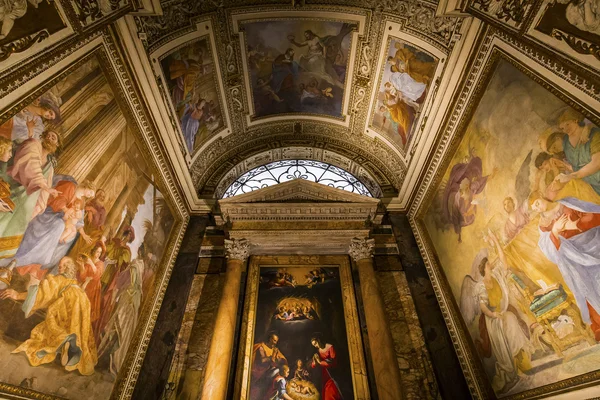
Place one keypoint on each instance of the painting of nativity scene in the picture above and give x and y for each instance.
(520, 200)
(192, 84)
(404, 84)
(297, 66)
(300, 339)
(82, 232)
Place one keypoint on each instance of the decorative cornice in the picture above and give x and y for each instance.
(361, 248)
(237, 249)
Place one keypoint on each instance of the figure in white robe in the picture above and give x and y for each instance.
(487, 296)
(405, 83)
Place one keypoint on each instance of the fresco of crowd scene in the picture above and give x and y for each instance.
(82, 232)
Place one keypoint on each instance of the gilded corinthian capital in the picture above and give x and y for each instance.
(361, 248)
(237, 249)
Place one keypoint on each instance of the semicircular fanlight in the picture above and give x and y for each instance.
(286, 170)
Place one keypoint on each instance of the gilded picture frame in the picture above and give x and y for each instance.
(493, 48)
(103, 48)
(352, 326)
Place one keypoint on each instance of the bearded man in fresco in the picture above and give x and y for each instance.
(29, 175)
(67, 328)
(267, 360)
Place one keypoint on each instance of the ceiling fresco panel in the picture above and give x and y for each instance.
(189, 78)
(297, 65)
(406, 78)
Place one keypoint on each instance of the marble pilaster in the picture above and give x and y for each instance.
(385, 365)
(221, 346)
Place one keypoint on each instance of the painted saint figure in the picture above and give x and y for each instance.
(325, 358)
(266, 360)
(571, 239)
(581, 146)
(485, 293)
(67, 329)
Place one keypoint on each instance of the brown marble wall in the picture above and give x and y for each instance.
(448, 373)
(192, 377)
(155, 370)
(416, 373)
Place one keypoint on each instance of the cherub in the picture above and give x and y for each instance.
(72, 217)
(300, 387)
(301, 373)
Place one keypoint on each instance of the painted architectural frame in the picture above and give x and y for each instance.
(339, 264)
(493, 51)
(103, 49)
(222, 124)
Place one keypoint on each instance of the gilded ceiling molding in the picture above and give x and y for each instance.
(419, 16)
(222, 155)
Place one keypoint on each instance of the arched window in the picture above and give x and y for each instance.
(286, 170)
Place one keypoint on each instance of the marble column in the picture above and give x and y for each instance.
(385, 365)
(221, 345)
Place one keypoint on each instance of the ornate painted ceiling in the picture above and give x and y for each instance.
(357, 86)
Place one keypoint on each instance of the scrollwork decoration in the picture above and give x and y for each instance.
(22, 44)
(365, 67)
(577, 44)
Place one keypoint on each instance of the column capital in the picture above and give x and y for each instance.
(237, 249)
(361, 248)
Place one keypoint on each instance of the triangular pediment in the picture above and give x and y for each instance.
(299, 191)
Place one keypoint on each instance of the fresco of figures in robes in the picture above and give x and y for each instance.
(82, 232)
(300, 339)
(405, 81)
(191, 79)
(516, 225)
(297, 66)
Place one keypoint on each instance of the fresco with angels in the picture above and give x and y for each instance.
(516, 225)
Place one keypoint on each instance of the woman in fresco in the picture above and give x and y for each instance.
(500, 331)
(90, 272)
(571, 239)
(581, 146)
(67, 329)
(120, 328)
(40, 250)
(325, 358)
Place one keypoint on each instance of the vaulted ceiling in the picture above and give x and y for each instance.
(361, 86)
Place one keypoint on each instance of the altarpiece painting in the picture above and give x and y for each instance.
(83, 230)
(515, 222)
(301, 333)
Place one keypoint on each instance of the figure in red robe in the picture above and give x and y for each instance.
(326, 359)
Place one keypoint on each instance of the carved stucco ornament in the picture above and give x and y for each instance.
(237, 249)
(361, 248)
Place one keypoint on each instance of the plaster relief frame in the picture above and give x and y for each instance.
(245, 355)
(493, 48)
